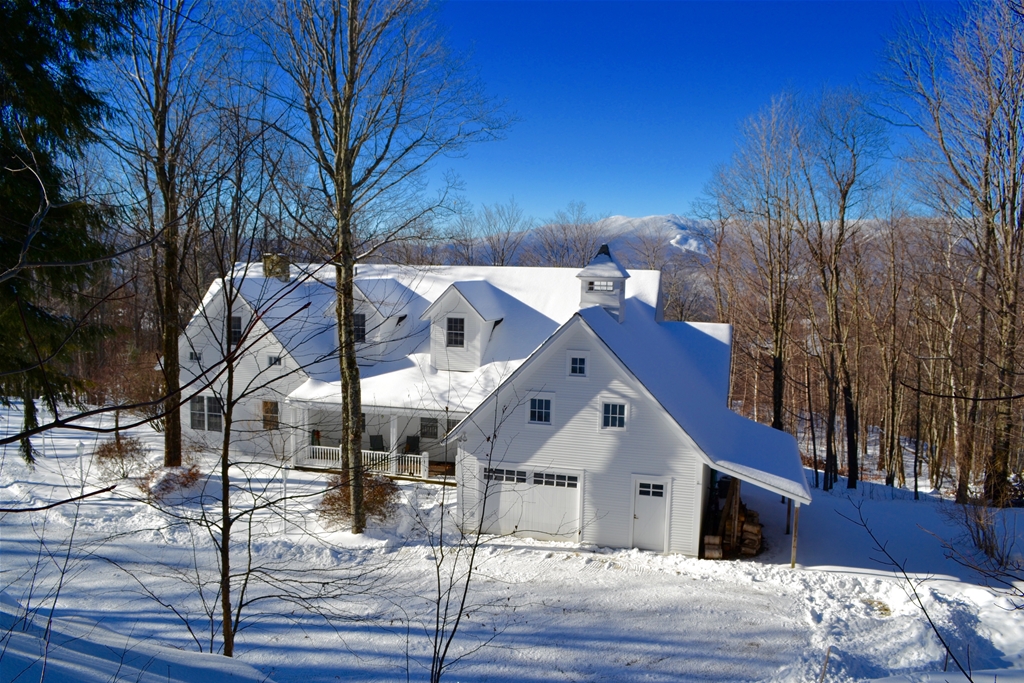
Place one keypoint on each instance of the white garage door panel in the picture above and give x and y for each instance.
(540, 511)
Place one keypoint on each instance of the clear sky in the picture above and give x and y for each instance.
(628, 106)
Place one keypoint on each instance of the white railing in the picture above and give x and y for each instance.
(408, 464)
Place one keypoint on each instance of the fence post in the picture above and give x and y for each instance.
(425, 465)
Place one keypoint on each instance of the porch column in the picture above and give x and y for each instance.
(796, 523)
(393, 444)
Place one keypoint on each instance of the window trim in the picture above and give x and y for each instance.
(625, 417)
(453, 335)
(528, 410)
(570, 356)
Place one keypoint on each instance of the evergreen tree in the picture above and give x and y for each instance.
(50, 239)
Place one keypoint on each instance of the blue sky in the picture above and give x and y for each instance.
(628, 106)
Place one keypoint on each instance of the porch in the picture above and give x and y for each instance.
(396, 442)
(382, 462)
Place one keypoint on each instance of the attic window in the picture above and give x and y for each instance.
(195, 356)
(614, 416)
(456, 332)
(273, 360)
(359, 327)
(600, 286)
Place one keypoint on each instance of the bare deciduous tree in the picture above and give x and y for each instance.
(380, 98)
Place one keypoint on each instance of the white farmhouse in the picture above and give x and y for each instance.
(569, 409)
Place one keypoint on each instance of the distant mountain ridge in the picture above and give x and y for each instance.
(686, 234)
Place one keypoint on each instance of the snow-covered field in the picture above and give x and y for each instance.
(118, 579)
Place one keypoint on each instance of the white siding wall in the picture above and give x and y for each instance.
(255, 380)
(649, 445)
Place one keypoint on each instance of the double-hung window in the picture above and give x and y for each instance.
(613, 416)
(271, 415)
(428, 427)
(198, 410)
(455, 332)
(206, 414)
(540, 411)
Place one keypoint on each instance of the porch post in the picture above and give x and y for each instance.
(425, 465)
(393, 444)
(796, 523)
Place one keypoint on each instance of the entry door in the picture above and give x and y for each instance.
(649, 514)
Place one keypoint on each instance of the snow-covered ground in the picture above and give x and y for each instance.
(118, 579)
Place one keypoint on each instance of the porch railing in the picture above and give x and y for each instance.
(329, 457)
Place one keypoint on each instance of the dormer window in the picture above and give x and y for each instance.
(359, 327)
(455, 334)
(600, 286)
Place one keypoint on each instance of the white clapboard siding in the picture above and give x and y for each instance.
(254, 379)
(574, 441)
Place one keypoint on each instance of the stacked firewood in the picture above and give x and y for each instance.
(750, 538)
(739, 529)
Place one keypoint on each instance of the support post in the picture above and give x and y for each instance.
(425, 465)
(393, 461)
(796, 524)
(393, 444)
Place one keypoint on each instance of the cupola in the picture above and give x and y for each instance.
(603, 283)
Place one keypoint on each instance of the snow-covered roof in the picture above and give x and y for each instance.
(484, 297)
(533, 302)
(604, 266)
(695, 394)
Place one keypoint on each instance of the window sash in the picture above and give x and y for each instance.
(455, 332)
(565, 481)
(428, 427)
(652, 490)
(198, 410)
(540, 411)
(235, 331)
(271, 415)
(614, 415)
(511, 476)
(214, 414)
(359, 327)
(578, 366)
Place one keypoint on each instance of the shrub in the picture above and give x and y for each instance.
(121, 458)
(163, 481)
(380, 499)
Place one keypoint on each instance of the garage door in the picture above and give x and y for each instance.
(540, 504)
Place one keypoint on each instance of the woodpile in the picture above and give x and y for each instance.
(740, 531)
